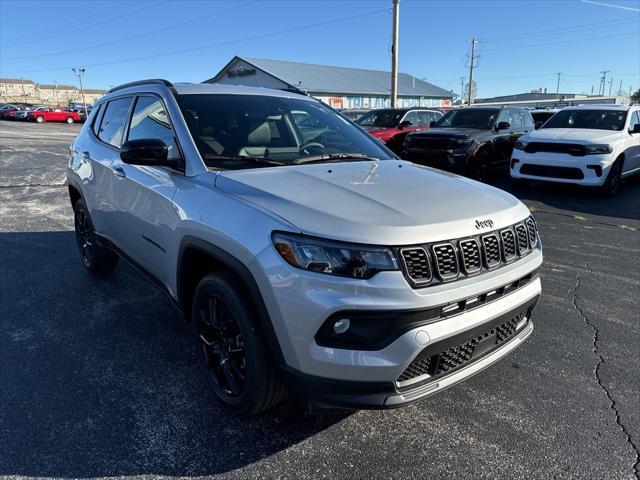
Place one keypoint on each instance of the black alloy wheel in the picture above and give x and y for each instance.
(221, 347)
(95, 258)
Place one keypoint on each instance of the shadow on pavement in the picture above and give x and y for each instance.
(99, 377)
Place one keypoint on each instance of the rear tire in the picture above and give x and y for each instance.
(231, 348)
(614, 179)
(40, 119)
(97, 259)
(69, 120)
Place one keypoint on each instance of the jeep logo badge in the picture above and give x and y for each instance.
(484, 224)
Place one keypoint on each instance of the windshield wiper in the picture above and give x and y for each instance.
(266, 161)
(333, 157)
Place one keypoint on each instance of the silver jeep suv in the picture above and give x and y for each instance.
(308, 258)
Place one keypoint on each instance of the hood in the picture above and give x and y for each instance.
(574, 135)
(386, 203)
(454, 133)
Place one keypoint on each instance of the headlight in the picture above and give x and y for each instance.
(521, 144)
(334, 258)
(592, 149)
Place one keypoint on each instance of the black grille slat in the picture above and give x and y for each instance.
(471, 257)
(446, 262)
(532, 231)
(416, 262)
(457, 356)
(573, 149)
(508, 245)
(491, 250)
(570, 173)
(522, 237)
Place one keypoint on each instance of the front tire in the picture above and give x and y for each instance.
(478, 168)
(69, 120)
(231, 348)
(614, 179)
(40, 119)
(97, 259)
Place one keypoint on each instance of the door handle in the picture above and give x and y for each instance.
(119, 171)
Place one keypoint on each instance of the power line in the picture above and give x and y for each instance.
(563, 42)
(69, 31)
(126, 39)
(567, 29)
(219, 44)
(42, 32)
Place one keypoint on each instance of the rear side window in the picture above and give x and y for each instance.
(150, 120)
(516, 119)
(112, 125)
(97, 118)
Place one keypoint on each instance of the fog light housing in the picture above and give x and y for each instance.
(341, 326)
(596, 168)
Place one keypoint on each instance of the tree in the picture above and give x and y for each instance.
(635, 98)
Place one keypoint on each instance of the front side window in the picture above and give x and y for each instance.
(588, 119)
(150, 120)
(426, 117)
(412, 117)
(481, 118)
(246, 131)
(112, 124)
(517, 120)
(635, 119)
(387, 118)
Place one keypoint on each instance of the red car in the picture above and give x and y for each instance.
(391, 125)
(8, 112)
(54, 115)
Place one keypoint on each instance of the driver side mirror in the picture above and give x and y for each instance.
(405, 123)
(147, 151)
(503, 126)
(635, 128)
(433, 123)
(538, 125)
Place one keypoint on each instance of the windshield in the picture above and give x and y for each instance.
(589, 119)
(233, 131)
(381, 118)
(482, 118)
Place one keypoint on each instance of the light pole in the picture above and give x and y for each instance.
(78, 73)
(55, 83)
(394, 55)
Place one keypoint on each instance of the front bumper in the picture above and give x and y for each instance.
(588, 170)
(339, 394)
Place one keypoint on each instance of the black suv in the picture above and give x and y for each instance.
(471, 140)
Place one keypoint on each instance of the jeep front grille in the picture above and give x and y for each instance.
(491, 250)
(416, 263)
(446, 261)
(470, 254)
(428, 264)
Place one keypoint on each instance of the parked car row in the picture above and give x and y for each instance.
(592, 145)
(40, 113)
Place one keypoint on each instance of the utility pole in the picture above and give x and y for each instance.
(471, 65)
(603, 81)
(558, 84)
(78, 73)
(56, 92)
(619, 88)
(629, 91)
(461, 90)
(394, 55)
(610, 85)
(22, 85)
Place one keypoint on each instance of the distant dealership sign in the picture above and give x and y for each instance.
(241, 72)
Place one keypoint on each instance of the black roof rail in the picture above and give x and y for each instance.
(152, 81)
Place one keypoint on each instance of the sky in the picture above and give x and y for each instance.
(522, 46)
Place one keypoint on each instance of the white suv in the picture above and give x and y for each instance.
(308, 257)
(592, 145)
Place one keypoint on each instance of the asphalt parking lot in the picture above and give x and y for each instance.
(98, 378)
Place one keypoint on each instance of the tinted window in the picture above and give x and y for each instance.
(412, 117)
(150, 120)
(97, 118)
(482, 118)
(113, 120)
(528, 119)
(381, 118)
(242, 131)
(505, 116)
(589, 119)
(425, 118)
(635, 119)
